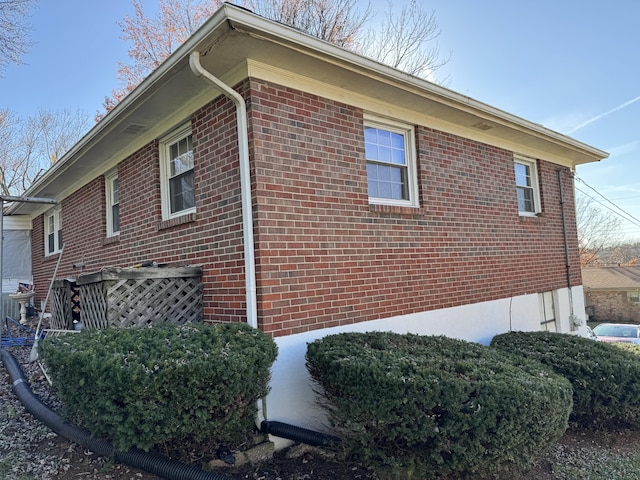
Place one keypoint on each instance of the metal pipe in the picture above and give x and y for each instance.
(566, 246)
(9, 198)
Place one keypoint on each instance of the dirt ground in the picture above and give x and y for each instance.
(306, 463)
(295, 463)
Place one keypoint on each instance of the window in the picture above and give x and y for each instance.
(113, 204)
(527, 186)
(53, 231)
(547, 312)
(634, 298)
(391, 170)
(176, 162)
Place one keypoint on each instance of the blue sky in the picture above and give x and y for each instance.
(572, 66)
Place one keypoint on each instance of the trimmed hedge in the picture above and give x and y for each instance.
(428, 406)
(147, 386)
(605, 377)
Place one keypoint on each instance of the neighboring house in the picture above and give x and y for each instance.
(612, 294)
(321, 192)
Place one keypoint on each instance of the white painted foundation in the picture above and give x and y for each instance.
(293, 401)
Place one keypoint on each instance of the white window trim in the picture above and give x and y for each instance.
(109, 178)
(533, 168)
(408, 131)
(165, 144)
(56, 213)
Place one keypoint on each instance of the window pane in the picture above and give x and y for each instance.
(181, 157)
(115, 189)
(525, 199)
(115, 218)
(371, 135)
(373, 184)
(51, 243)
(182, 192)
(387, 182)
(384, 146)
(397, 156)
(523, 177)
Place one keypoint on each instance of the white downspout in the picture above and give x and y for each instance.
(245, 184)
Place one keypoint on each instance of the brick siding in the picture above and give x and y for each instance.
(325, 256)
(611, 307)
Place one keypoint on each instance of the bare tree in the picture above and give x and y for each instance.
(405, 40)
(14, 29)
(598, 230)
(152, 40)
(625, 254)
(401, 41)
(336, 21)
(29, 146)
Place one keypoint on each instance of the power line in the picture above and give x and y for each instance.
(624, 214)
(630, 220)
(626, 198)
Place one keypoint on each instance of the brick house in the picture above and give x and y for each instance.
(612, 294)
(321, 192)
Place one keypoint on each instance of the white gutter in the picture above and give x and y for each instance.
(245, 183)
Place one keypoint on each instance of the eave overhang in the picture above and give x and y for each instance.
(235, 43)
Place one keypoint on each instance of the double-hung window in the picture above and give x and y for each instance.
(391, 165)
(527, 186)
(113, 204)
(53, 231)
(176, 162)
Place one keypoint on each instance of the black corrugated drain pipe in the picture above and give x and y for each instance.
(156, 464)
(298, 434)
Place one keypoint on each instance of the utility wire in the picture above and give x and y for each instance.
(631, 223)
(624, 214)
(630, 220)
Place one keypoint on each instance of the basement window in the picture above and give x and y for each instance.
(547, 312)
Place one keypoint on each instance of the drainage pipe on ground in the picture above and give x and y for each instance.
(298, 434)
(156, 464)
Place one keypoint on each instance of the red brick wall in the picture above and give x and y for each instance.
(213, 239)
(324, 256)
(327, 258)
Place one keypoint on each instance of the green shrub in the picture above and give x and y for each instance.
(605, 378)
(147, 386)
(628, 347)
(428, 406)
